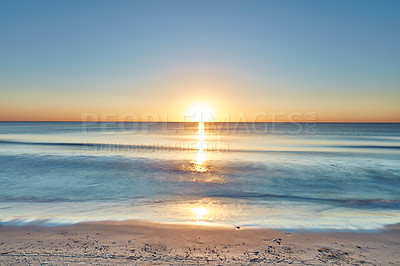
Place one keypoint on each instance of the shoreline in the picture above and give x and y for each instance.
(206, 224)
(143, 242)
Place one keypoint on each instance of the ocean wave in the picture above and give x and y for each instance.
(94, 145)
(366, 147)
(351, 203)
(36, 199)
(183, 147)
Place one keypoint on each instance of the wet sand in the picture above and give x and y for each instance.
(140, 242)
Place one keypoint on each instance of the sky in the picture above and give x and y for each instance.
(333, 61)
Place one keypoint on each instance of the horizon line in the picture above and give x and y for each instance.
(118, 121)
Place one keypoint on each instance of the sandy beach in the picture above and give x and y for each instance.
(141, 242)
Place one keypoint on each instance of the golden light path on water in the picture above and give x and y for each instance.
(201, 155)
(201, 170)
(200, 212)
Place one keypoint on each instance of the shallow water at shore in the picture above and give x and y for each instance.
(312, 176)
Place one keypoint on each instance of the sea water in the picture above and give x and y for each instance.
(276, 175)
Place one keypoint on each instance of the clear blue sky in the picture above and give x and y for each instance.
(340, 59)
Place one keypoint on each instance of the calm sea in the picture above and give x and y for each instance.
(277, 175)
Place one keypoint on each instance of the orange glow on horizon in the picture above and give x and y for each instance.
(212, 111)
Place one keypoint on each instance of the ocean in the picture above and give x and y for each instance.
(314, 176)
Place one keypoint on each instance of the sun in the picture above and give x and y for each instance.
(201, 112)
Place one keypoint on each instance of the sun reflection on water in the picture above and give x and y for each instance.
(201, 169)
(199, 212)
(199, 162)
(203, 210)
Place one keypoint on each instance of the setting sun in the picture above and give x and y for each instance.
(201, 112)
